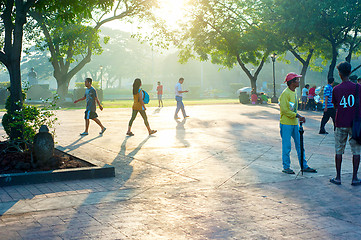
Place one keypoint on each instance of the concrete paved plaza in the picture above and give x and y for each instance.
(216, 175)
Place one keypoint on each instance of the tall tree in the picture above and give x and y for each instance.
(13, 16)
(71, 44)
(13, 19)
(229, 32)
(295, 35)
(334, 22)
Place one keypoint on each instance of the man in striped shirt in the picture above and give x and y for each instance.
(328, 108)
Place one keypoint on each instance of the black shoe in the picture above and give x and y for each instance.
(310, 170)
(322, 132)
(288, 171)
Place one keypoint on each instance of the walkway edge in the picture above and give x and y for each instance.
(56, 175)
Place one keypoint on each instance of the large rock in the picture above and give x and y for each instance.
(43, 148)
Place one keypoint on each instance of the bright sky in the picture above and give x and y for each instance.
(172, 11)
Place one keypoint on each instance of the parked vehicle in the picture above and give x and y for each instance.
(244, 94)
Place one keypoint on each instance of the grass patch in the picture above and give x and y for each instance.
(169, 102)
(154, 103)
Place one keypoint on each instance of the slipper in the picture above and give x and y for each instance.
(335, 181)
(356, 183)
(130, 134)
(152, 132)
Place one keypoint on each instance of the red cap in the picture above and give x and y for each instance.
(291, 76)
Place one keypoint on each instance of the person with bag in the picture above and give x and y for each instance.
(346, 98)
(138, 106)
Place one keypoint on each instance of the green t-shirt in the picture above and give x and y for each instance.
(288, 107)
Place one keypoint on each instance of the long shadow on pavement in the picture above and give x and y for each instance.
(122, 164)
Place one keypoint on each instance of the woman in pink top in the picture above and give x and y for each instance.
(159, 94)
(311, 100)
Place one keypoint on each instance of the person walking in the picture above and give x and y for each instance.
(159, 94)
(328, 109)
(90, 111)
(178, 97)
(138, 106)
(344, 102)
(289, 124)
(304, 96)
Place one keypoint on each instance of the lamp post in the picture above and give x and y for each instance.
(101, 77)
(274, 99)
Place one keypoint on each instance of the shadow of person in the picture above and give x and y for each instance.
(122, 161)
(77, 143)
(181, 132)
(157, 110)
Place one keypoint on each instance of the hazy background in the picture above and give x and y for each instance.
(124, 59)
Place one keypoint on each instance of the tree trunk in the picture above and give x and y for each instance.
(305, 63)
(253, 78)
(13, 48)
(63, 87)
(254, 83)
(333, 62)
(16, 96)
(349, 56)
(303, 73)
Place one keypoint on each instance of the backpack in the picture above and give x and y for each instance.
(145, 97)
(356, 123)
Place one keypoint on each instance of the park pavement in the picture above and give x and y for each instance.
(215, 175)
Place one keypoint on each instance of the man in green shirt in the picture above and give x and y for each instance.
(289, 123)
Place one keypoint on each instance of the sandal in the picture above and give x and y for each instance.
(130, 134)
(356, 183)
(335, 181)
(152, 132)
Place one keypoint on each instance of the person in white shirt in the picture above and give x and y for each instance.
(178, 97)
(304, 97)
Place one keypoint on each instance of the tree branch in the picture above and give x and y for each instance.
(39, 18)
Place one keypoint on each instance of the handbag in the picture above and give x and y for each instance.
(356, 123)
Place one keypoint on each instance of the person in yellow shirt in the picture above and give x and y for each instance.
(289, 124)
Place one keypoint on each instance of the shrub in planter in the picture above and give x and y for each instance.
(29, 119)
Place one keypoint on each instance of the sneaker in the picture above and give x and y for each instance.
(322, 132)
(288, 171)
(311, 170)
(176, 117)
(83, 134)
(186, 117)
(102, 131)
